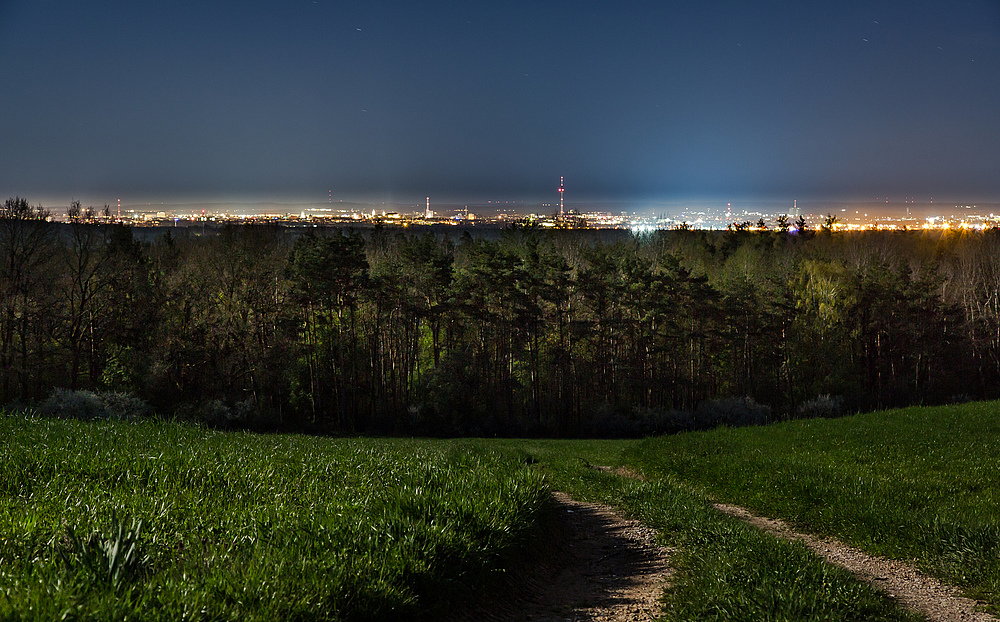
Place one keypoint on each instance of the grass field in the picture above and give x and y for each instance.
(918, 484)
(114, 521)
(152, 520)
(725, 569)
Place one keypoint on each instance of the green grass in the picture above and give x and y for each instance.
(917, 484)
(114, 521)
(106, 520)
(726, 570)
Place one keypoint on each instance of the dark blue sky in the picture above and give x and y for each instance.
(399, 100)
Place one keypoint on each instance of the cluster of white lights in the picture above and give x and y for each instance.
(642, 228)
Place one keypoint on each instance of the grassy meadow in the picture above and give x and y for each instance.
(725, 569)
(114, 521)
(919, 484)
(111, 520)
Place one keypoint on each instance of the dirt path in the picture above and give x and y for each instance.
(914, 590)
(600, 567)
(597, 567)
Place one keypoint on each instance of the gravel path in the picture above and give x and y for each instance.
(914, 590)
(615, 570)
(601, 567)
(597, 566)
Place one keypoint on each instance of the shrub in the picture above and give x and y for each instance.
(123, 405)
(246, 413)
(821, 406)
(214, 413)
(87, 405)
(69, 404)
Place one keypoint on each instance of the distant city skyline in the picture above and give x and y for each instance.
(881, 207)
(637, 103)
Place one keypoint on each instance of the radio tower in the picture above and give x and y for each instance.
(561, 190)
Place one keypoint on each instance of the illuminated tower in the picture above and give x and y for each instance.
(561, 190)
(428, 214)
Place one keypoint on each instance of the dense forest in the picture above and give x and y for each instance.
(524, 332)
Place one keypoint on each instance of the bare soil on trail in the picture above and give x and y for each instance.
(911, 588)
(595, 566)
(916, 591)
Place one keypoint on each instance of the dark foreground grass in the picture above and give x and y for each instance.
(156, 521)
(113, 521)
(917, 484)
(726, 570)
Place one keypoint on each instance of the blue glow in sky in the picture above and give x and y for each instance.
(400, 100)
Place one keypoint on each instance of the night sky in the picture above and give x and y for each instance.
(636, 101)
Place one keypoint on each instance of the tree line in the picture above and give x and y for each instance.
(528, 332)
